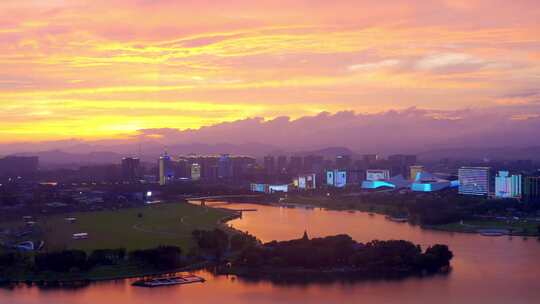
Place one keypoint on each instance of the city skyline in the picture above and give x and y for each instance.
(98, 70)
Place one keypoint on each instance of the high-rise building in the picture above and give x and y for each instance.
(414, 170)
(531, 188)
(131, 169)
(242, 166)
(399, 164)
(195, 172)
(295, 164)
(282, 163)
(474, 181)
(225, 167)
(507, 186)
(166, 170)
(182, 168)
(343, 161)
(369, 158)
(313, 163)
(269, 164)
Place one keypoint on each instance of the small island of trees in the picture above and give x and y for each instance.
(339, 256)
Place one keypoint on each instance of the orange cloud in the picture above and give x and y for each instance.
(98, 69)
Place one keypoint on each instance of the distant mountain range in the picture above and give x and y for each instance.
(496, 133)
(497, 153)
(58, 158)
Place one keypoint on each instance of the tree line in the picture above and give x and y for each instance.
(375, 258)
(73, 260)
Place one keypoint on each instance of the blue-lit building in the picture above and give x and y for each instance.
(306, 181)
(377, 174)
(266, 188)
(474, 181)
(396, 182)
(508, 186)
(336, 178)
(258, 187)
(427, 182)
(424, 182)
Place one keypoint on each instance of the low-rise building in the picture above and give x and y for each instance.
(336, 178)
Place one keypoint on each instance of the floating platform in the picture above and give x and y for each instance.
(178, 280)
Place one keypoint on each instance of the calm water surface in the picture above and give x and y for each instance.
(485, 269)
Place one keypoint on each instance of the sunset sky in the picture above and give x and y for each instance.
(107, 68)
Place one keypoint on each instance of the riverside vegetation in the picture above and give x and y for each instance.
(338, 257)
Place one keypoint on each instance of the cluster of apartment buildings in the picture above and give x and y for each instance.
(224, 167)
(478, 181)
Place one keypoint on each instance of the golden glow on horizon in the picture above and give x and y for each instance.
(176, 64)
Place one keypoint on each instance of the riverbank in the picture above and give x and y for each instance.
(524, 228)
(303, 275)
(398, 209)
(118, 272)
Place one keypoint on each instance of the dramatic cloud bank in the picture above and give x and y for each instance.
(411, 130)
(407, 130)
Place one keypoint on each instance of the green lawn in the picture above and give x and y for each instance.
(160, 224)
(519, 227)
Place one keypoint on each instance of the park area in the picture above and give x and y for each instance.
(135, 228)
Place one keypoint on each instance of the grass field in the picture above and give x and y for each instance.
(160, 224)
(520, 227)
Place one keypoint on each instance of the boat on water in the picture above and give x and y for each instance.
(399, 219)
(169, 281)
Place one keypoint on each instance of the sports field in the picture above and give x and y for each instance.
(136, 228)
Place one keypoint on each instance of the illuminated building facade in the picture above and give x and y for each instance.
(195, 172)
(396, 182)
(166, 170)
(336, 178)
(414, 170)
(508, 186)
(474, 181)
(427, 182)
(267, 188)
(377, 174)
(306, 181)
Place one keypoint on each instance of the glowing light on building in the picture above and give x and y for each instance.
(166, 172)
(507, 186)
(266, 188)
(195, 172)
(414, 171)
(306, 181)
(474, 181)
(377, 174)
(336, 178)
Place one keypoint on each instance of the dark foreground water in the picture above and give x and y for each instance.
(485, 269)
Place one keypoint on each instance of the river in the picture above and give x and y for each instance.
(485, 269)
